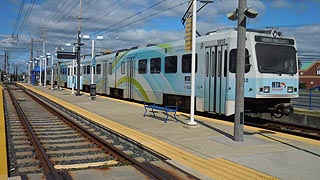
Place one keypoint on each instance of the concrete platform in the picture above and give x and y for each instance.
(276, 154)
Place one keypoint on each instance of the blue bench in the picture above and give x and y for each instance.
(166, 109)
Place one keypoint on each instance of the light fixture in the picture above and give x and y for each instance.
(86, 36)
(99, 37)
(249, 12)
(233, 15)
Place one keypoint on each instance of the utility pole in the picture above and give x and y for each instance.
(31, 60)
(43, 38)
(239, 104)
(6, 63)
(79, 49)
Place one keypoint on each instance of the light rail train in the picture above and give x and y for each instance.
(162, 73)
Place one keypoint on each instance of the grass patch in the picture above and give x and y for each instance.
(306, 111)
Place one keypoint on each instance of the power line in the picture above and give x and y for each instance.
(26, 17)
(18, 17)
(52, 13)
(112, 9)
(125, 19)
(150, 16)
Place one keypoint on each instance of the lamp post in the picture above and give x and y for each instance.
(93, 55)
(241, 13)
(72, 70)
(52, 72)
(40, 61)
(29, 77)
(93, 64)
(45, 69)
(193, 58)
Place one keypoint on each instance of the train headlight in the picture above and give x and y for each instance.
(266, 89)
(290, 89)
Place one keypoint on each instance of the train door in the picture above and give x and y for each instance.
(215, 78)
(130, 74)
(104, 78)
(69, 77)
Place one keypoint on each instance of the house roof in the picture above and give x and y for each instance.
(306, 65)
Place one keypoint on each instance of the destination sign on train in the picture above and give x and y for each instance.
(274, 40)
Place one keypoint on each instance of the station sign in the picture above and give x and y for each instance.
(66, 55)
(188, 34)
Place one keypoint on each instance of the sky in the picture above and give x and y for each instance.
(127, 23)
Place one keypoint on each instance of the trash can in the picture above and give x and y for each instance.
(93, 90)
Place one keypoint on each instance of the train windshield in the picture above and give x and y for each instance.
(276, 59)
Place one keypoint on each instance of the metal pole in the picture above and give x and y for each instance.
(193, 62)
(52, 71)
(92, 56)
(79, 51)
(44, 58)
(58, 74)
(239, 104)
(72, 72)
(45, 72)
(31, 60)
(40, 60)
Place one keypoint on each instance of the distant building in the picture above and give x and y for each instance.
(309, 74)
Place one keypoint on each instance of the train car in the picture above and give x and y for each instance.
(162, 73)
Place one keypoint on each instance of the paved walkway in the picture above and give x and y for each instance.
(277, 154)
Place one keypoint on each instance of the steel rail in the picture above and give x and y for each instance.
(144, 167)
(48, 167)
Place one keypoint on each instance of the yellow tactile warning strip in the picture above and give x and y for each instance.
(215, 168)
(3, 147)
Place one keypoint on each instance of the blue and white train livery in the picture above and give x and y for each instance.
(161, 73)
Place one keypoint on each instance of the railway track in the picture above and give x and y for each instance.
(46, 138)
(254, 121)
(303, 131)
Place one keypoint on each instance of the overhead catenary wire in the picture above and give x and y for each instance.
(52, 12)
(138, 13)
(18, 17)
(141, 19)
(113, 9)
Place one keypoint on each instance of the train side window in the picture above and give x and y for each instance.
(69, 71)
(213, 64)
(233, 61)
(207, 64)
(170, 64)
(94, 70)
(74, 71)
(220, 63)
(142, 66)
(110, 68)
(225, 63)
(155, 65)
(123, 67)
(84, 68)
(186, 63)
(88, 69)
(98, 68)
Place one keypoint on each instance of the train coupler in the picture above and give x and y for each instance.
(281, 109)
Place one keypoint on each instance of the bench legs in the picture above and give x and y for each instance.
(145, 112)
(167, 114)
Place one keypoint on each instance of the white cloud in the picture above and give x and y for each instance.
(60, 18)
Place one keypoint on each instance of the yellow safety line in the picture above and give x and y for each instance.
(3, 146)
(205, 166)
